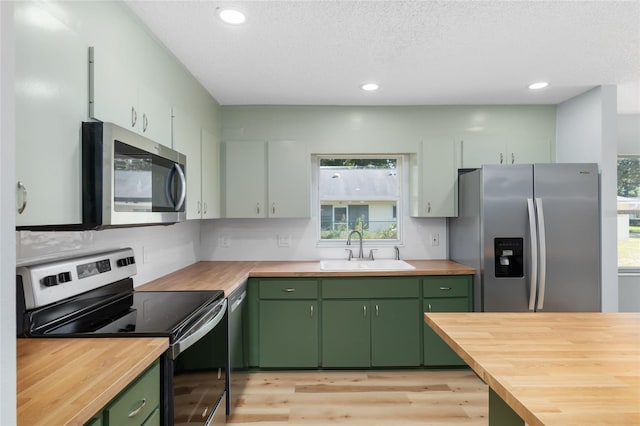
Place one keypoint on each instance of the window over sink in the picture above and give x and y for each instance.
(361, 193)
(628, 206)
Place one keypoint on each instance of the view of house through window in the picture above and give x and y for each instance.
(359, 194)
(629, 212)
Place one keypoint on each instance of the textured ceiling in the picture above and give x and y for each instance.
(420, 52)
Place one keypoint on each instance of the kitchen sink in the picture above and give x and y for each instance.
(365, 265)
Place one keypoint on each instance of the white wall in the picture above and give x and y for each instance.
(629, 144)
(7, 221)
(587, 133)
(380, 130)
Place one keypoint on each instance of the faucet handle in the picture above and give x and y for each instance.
(371, 254)
(350, 253)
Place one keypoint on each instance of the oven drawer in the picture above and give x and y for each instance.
(137, 404)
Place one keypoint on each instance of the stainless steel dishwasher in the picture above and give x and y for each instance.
(237, 344)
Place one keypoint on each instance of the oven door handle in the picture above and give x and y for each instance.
(199, 330)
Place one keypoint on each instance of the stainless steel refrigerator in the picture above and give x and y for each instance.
(533, 234)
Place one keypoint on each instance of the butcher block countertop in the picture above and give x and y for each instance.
(67, 381)
(553, 368)
(228, 275)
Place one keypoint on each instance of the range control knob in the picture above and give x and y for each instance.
(125, 261)
(64, 277)
(49, 280)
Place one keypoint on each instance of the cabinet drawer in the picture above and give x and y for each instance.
(370, 287)
(288, 289)
(450, 286)
(142, 396)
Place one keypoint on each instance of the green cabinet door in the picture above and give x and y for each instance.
(395, 331)
(288, 333)
(436, 351)
(346, 335)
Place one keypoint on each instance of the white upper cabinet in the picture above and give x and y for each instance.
(50, 96)
(118, 94)
(210, 149)
(266, 179)
(433, 180)
(186, 140)
(480, 150)
(288, 179)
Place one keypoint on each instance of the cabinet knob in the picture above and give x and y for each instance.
(22, 189)
(273, 208)
(257, 208)
(429, 207)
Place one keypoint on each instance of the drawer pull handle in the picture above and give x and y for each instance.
(288, 290)
(139, 409)
(364, 311)
(311, 311)
(377, 311)
(445, 288)
(429, 307)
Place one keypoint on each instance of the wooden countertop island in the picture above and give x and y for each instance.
(551, 368)
(66, 381)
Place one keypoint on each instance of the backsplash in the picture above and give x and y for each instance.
(257, 239)
(159, 250)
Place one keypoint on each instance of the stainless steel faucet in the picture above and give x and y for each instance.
(360, 252)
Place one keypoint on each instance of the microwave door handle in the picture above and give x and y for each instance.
(183, 186)
(176, 169)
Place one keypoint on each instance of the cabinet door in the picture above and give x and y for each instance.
(288, 170)
(529, 151)
(154, 116)
(346, 338)
(437, 182)
(395, 332)
(436, 351)
(244, 179)
(478, 150)
(186, 140)
(51, 93)
(113, 94)
(210, 163)
(288, 333)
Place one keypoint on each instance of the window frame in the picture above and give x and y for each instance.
(624, 270)
(401, 167)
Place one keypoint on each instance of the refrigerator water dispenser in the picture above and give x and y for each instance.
(508, 255)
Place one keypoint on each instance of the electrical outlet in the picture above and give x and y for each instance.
(224, 241)
(435, 239)
(284, 240)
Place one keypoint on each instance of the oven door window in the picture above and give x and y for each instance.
(199, 379)
(144, 182)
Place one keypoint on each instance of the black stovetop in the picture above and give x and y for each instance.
(118, 310)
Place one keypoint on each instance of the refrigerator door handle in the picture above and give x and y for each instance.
(534, 254)
(543, 253)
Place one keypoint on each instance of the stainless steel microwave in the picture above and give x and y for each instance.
(129, 180)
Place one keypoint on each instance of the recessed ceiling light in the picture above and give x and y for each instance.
(370, 87)
(539, 85)
(232, 16)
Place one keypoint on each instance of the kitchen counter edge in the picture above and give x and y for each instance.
(228, 275)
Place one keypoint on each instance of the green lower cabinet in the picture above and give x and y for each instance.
(371, 333)
(346, 333)
(288, 333)
(138, 404)
(436, 351)
(395, 331)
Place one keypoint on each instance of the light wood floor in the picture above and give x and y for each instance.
(390, 398)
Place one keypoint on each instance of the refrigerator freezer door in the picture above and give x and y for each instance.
(504, 212)
(569, 195)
